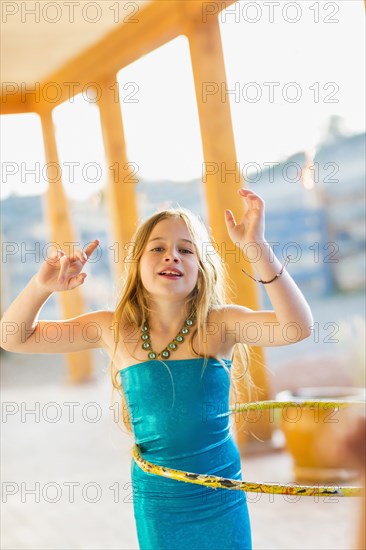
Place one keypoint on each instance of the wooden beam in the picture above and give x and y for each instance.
(222, 179)
(13, 102)
(57, 212)
(157, 23)
(122, 178)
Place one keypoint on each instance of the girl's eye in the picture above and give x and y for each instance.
(185, 250)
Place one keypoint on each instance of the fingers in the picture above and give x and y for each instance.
(84, 255)
(77, 281)
(248, 193)
(67, 261)
(248, 196)
(67, 265)
(54, 256)
(64, 266)
(243, 191)
(230, 218)
(252, 200)
(91, 247)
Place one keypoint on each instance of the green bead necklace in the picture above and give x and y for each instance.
(165, 354)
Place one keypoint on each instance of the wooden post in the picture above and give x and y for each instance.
(57, 211)
(222, 179)
(122, 175)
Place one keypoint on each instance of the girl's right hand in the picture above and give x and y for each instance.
(60, 272)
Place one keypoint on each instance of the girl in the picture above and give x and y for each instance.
(171, 341)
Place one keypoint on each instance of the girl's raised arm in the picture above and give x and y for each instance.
(291, 319)
(22, 333)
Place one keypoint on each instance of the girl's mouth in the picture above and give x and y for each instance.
(170, 274)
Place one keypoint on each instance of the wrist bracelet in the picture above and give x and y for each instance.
(275, 277)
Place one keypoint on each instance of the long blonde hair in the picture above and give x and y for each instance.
(211, 290)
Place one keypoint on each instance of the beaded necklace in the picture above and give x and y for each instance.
(165, 353)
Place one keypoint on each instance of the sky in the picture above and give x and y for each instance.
(288, 72)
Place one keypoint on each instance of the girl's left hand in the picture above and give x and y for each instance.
(250, 228)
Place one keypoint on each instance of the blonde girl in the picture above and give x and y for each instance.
(171, 341)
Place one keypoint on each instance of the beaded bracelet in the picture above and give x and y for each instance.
(275, 277)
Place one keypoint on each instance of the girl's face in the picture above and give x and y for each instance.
(169, 263)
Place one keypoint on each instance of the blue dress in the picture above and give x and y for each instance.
(181, 419)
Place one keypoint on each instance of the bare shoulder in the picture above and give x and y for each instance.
(104, 319)
(98, 323)
(119, 337)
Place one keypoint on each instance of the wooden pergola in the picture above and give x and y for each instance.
(156, 23)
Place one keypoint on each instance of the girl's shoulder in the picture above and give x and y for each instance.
(120, 338)
(103, 319)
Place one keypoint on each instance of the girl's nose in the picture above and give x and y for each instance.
(171, 255)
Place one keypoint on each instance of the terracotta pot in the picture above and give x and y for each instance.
(313, 436)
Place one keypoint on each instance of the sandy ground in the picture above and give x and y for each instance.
(66, 478)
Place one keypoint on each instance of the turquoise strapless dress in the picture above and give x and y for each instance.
(181, 419)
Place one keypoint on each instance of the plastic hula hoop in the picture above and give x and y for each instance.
(216, 482)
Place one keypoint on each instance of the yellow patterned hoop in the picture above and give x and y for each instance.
(216, 482)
